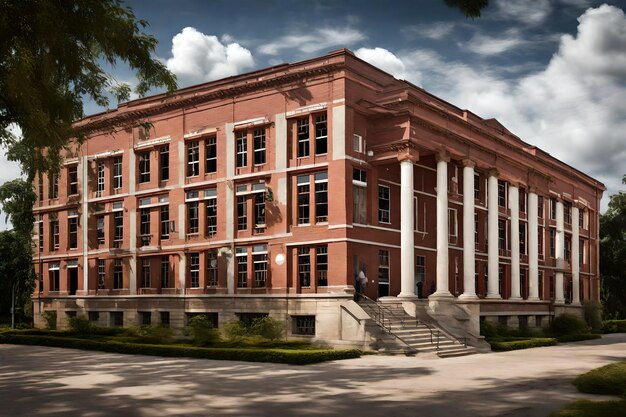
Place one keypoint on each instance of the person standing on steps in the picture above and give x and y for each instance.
(362, 279)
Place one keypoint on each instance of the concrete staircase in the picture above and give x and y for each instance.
(403, 334)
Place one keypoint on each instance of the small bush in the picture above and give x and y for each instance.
(80, 325)
(585, 408)
(577, 337)
(522, 344)
(567, 324)
(614, 326)
(50, 317)
(606, 380)
(593, 315)
(235, 329)
(154, 334)
(488, 329)
(202, 331)
(267, 328)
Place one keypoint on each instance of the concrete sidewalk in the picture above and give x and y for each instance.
(40, 381)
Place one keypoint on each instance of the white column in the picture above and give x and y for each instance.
(182, 271)
(442, 227)
(132, 229)
(492, 235)
(575, 255)
(560, 254)
(515, 276)
(83, 169)
(533, 251)
(407, 252)
(469, 247)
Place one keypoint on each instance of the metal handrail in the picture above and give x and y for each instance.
(380, 318)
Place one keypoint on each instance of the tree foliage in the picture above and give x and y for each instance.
(15, 268)
(17, 198)
(52, 54)
(470, 8)
(613, 256)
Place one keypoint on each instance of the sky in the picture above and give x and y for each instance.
(552, 71)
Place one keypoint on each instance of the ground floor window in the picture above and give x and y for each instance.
(303, 325)
(248, 318)
(165, 318)
(145, 318)
(503, 320)
(117, 318)
(94, 315)
(212, 317)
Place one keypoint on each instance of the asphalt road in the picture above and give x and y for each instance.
(51, 382)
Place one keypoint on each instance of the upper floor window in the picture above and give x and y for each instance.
(242, 149)
(259, 262)
(259, 147)
(303, 137)
(100, 179)
(165, 272)
(321, 134)
(210, 197)
(211, 266)
(522, 200)
(164, 163)
(72, 222)
(118, 223)
(100, 230)
(304, 266)
(40, 235)
(144, 221)
(53, 191)
(522, 237)
(321, 197)
(476, 186)
(194, 269)
(40, 187)
(164, 214)
(501, 234)
(144, 167)
(552, 243)
(145, 273)
(117, 172)
(321, 265)
(359, 196)
(193, 158)
(304, 190)
(540, 207)
(567, 213)
(191, 199)
(241, 255)
(553, 208)
(72, 177)
(101, 274)
(384, 204)
(211, 155)
(118, 274)
(54, 233)
(501, 193)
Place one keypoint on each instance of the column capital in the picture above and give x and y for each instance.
(407, 153)
(493, 172)
(442, 155)
(468, 163)
(531, 189)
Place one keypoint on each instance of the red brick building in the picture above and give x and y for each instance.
(268, 192)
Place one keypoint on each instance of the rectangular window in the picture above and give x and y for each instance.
(522, 238)
(553, 209)
(192, 216)
(321, 197)
(242, 213)
(453, 226)
(540, 233)
(193, 158)
(164, 163)
(145, 273)
(144, 167)
(259, 146)
(303, 199)
(540, 207)
(303, 325)
(568, 248)
(54, 186)
(118, 223)
(321, 265)
(502, 234)
(144, 222)
(259, 210)
(118, 274)
(164, 214)
(145, 318)
(259, 263)
(522, 201)
(40, 187)
(567, 213)
(552, 243)
(165, 271)
(475, 229)
(501, 193)
(72, 224)
(54, 232)
(40, 228)
(242, 267)
(72, 175)
(302, 126)
(117, 318)
(359, 196)
(194, 269)
(476, 186)
(101, 274)
(93, 315)
(384, 204)
(165, 318)
(117, 172)
(211, 215)
(304, 266)
(211, 268)
(383, 267)
(420, 269)
(321, 135)
(100, 182)
(242, 149)
(358, 143)
(100, 230)
(55, 277)
(211, 155)
(581, 252)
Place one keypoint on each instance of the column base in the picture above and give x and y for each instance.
(465, 296)
(494, 296)
(438, 295)
(533, 299)
(407, 295)
(516, 299)
(576, 304)
(559, 301)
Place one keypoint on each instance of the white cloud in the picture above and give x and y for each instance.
(384, 60)
(198, 58)
(574, 108)
(489, 45)
(313, 41)
(437, 30)
(529, 12)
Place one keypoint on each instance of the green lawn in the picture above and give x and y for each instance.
(584, 408)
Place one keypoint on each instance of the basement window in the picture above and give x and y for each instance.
(303, 325)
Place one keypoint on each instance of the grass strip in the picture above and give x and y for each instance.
(606, 380)
(501, 346)
(586, 408)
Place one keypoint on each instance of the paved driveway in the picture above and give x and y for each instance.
(40, 381)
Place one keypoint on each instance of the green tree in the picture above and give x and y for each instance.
(52, 54)
(613, 256)
(15, 269)
(17, 198)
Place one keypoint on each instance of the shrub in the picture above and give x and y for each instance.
(585, 408)
(202, 331)
(80, 325)
(154, 334)
(235, 329)
(50, 317)
(606, 380)
(577, 337)
(567, 324)
(593, 315)
(522, 344)
(614, 326)
(267, 328)
(488, 329)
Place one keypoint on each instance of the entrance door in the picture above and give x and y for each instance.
(73, 278)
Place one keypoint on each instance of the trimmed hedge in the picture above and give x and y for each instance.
(606, 380)
(585, 408)
(577, 337)
(294, 357)
(614, 326)
(501, 346)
